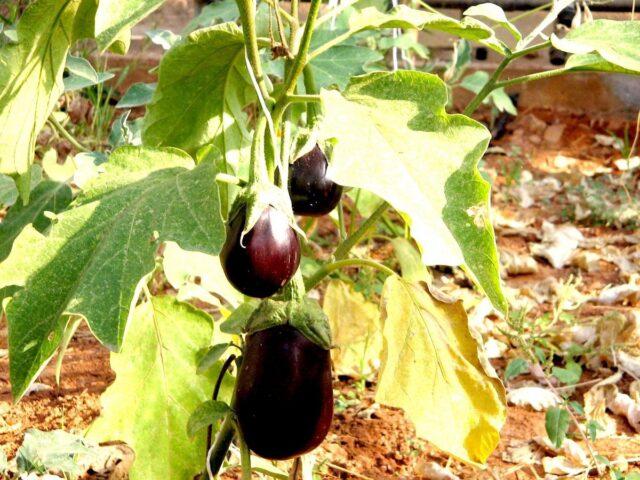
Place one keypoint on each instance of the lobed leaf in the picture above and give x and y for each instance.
(615, 41)
(202, 89)
(92, 260)
(420, 159)
(31, 80)
(115, 18)
(48, 196)
(156, 383)
(431, 368)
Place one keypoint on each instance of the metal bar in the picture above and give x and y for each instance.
(511, 5)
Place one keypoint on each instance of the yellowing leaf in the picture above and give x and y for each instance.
(157, 389)
(431, 368)
(355, 330)
(393, 137)
(31, 80)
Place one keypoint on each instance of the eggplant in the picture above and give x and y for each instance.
(284, 395)
(312, 193)
(262, 262)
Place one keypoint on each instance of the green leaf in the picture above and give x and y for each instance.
(165, 38)
(217, 12)
(201, 92)
(8, 189)
(515, 367)
(496, 14)
(55, 451)
(49, 196)
(82, 74)
(498, 97)
(137, 95)
(236, 323)
(207, 413)
(593, 62)
(211, 357)
(338, 64)
(31, 80)
(569, 375)
(557, 425)
(94, 256)
(156, 389)
(615, 41)
(431, 369)
(115, 17)
(422, 161)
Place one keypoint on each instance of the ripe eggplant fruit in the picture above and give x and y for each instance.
(284, 396)
(312, 193)
(267, 257)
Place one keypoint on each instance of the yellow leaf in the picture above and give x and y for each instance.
(431, 368)
(355, 330)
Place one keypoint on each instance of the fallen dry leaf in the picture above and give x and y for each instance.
(558, 245)
(538, 398)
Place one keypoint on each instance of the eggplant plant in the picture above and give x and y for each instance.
(253, 121)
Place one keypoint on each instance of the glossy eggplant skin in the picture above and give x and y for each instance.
(284, 396)
(312, 193)
(267, 258)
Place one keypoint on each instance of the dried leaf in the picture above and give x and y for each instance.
(538, 398)
(558, 243)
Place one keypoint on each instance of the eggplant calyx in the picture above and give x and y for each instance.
(304, 315)
(255, 199)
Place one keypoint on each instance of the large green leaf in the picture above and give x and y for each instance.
(593, 62)
(47, 197)
(615, 41)
(394, 138)
(338, 64)
(31, 80)
(157, 388)
(409, 18)
(431, 368)
(115, 17)
(95, 254)
(202, 88)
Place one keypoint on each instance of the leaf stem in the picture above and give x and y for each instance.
(488, 87)
(341, 225)
(299, 62)
(58, 126)
(221, 445)
(258, 170)
(303, 98)
(532, 77)
(328, 269)
(286, 15)
(343, 249)
(245, 456)
(330, 44)
(494, 82)
(247, 11)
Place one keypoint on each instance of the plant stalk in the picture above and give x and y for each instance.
(343, 249)
(494, 82)
(258, 170)
(532, 77)
(247, 11)
(221, 445)
(300, 61)
(72, 140)
(328, 269)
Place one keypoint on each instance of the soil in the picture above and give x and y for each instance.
(368, 441)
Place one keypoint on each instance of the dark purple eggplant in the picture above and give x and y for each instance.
(284, 396)
(312, 193)
(266, 259)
